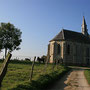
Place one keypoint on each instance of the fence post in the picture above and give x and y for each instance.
(32, 69)
(53, 66)
(4, 67)
(46, 64)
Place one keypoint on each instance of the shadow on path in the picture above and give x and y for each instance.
(59, 85)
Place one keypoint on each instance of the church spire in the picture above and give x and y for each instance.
(84, 27)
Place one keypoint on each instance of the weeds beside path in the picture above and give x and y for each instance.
(87, 75)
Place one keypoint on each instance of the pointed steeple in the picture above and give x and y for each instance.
(84, 27)
(84, 22)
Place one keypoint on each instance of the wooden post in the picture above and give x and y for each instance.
(32, 69)
(46, 63)
(57, 63)
(4, 67)
(54, 64)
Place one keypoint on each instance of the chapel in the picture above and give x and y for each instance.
(70, 47)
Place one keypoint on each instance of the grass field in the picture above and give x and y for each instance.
(19, 73)
(87, 75)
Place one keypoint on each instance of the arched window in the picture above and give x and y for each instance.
(87, 52)
(58, 49)
(68, 49)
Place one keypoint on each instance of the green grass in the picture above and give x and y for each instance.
(87, 75)
(18, 75)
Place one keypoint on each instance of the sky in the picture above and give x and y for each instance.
(41, 20)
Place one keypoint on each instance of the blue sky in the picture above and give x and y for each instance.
(41, 20)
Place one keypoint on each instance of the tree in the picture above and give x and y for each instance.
(10, 37)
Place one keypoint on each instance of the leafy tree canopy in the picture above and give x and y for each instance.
(10, 37)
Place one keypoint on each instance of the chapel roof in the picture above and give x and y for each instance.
(71, 36)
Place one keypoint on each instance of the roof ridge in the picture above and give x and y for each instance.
(71, 31)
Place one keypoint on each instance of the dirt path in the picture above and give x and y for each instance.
(74, 80)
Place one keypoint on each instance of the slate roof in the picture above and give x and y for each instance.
(71, 36)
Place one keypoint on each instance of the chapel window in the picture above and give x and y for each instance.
(58, 49)
(87, 52)
(68, 49)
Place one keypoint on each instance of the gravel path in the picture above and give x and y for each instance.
(74, 80)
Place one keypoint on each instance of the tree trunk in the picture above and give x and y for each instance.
(5, 52)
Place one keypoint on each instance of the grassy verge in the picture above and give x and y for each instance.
(17, 77)
(87, 75)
